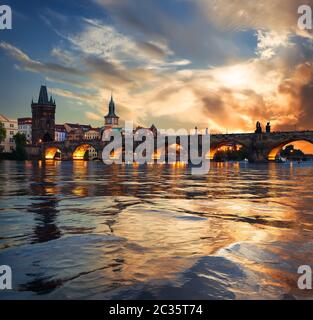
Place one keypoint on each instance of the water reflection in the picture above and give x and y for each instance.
(44, 201)
(84, 230)
(46, 214)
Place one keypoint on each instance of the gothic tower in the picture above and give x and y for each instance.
(111, 119)
(43, 114)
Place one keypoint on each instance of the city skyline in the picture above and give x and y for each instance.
(227, 76)
(70, 131)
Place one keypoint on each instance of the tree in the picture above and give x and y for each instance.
(20, 142)
(3, 132)
(232, 154)
(291, 153)
(3, 135)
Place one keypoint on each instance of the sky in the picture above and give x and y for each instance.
(215, 64)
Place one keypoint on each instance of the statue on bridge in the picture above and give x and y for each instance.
(258, 127)
(268, 127)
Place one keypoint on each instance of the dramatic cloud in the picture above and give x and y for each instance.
(29, 64)
(270, 42)
(279, 16)
(218, 63)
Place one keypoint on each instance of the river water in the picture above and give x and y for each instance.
(82, 230)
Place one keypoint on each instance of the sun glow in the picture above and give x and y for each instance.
(235, 76)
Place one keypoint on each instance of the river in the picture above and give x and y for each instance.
(82, 230)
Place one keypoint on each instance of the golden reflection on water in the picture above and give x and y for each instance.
(173, 234)
(186, 229)
(168, 219)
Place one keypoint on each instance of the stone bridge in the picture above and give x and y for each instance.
(261, 147)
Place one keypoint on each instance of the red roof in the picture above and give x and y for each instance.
(60, 128)
(22, 121)
(78, 126)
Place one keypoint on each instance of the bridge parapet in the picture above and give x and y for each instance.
(259, 146)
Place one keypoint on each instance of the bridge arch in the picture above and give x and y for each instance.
(219, 146)
(116, 154)
(275, 150)
(80, 152)
(52, 153)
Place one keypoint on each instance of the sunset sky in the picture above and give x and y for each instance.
(175, 63)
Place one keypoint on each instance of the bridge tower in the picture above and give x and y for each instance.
(43, 116)
(111, 119)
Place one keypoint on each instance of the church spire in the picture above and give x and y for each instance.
(111, 118)
(112, 107)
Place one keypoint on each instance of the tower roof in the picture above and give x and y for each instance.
(111, 113)
(43, 95)
(43, 99)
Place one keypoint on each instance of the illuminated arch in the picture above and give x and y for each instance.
(80, 153)
(223, 146)
(116, 154)
(52, 153)
(272, 155)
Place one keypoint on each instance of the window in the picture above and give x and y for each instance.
(11, 125)
(11, 148)
(11, 140)
(11, 133)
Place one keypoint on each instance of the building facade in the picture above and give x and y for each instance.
(60, 133)
(92, 153)
(76, 132)
(25, 127)
(93, 134)
(43, 118)
(11, 128)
